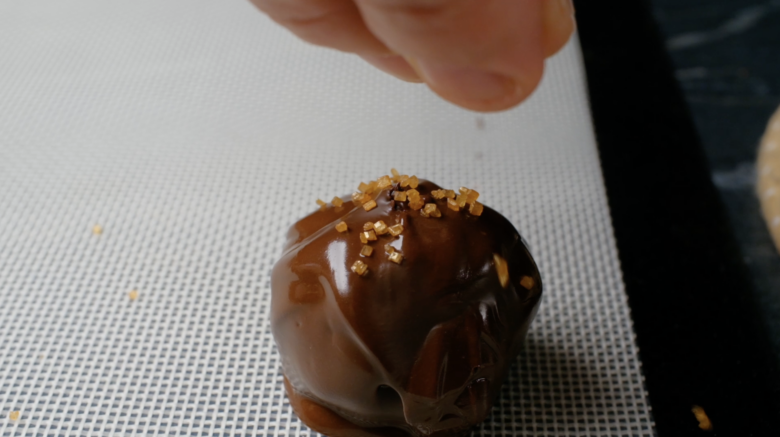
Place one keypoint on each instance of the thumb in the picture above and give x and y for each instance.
(485, 55)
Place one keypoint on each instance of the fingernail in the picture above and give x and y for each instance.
(467, 83)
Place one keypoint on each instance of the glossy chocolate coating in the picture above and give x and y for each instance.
(417, 349)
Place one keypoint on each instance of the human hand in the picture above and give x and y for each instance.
(484, 55)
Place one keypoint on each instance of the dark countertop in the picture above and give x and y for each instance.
(726, 54)
(672, 126)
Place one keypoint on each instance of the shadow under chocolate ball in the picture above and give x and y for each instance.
(412, 344)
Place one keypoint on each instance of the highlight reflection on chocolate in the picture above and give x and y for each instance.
(419, 348)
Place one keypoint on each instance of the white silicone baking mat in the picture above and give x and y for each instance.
(195, 132)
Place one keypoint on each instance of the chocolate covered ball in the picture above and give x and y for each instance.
(398, 311)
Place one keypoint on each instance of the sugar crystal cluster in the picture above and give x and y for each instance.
(403, 190)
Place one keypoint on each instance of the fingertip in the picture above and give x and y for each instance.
(480, 90)
(517, 95)
(508, 102)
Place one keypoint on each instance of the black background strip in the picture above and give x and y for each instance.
(700, 336)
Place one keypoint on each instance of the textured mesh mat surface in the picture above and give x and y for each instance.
(195, 132)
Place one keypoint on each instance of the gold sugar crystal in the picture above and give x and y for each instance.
(502, 269)
(389, 248)
(384, 182)
(367, 236)
(438, 194)
(14, 415)
(368, 226)
(133, 295)
(97, 229)
(396, 175)
(414, 182)
(404, 180)
(461, 200)
(337, 202)
(359, 267)
(342, 226)
(371, 204)
(412, 194)
(701, 416)
(381, 228)
(470, 195)
(366, 251)
(364, 187)
(453, 205)
(450, 194)
(432, 210)
(321, 203)
(396, 257)
(396, 230)
(416, 204)
(476, 209)
(400, 196)
(527, 282)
